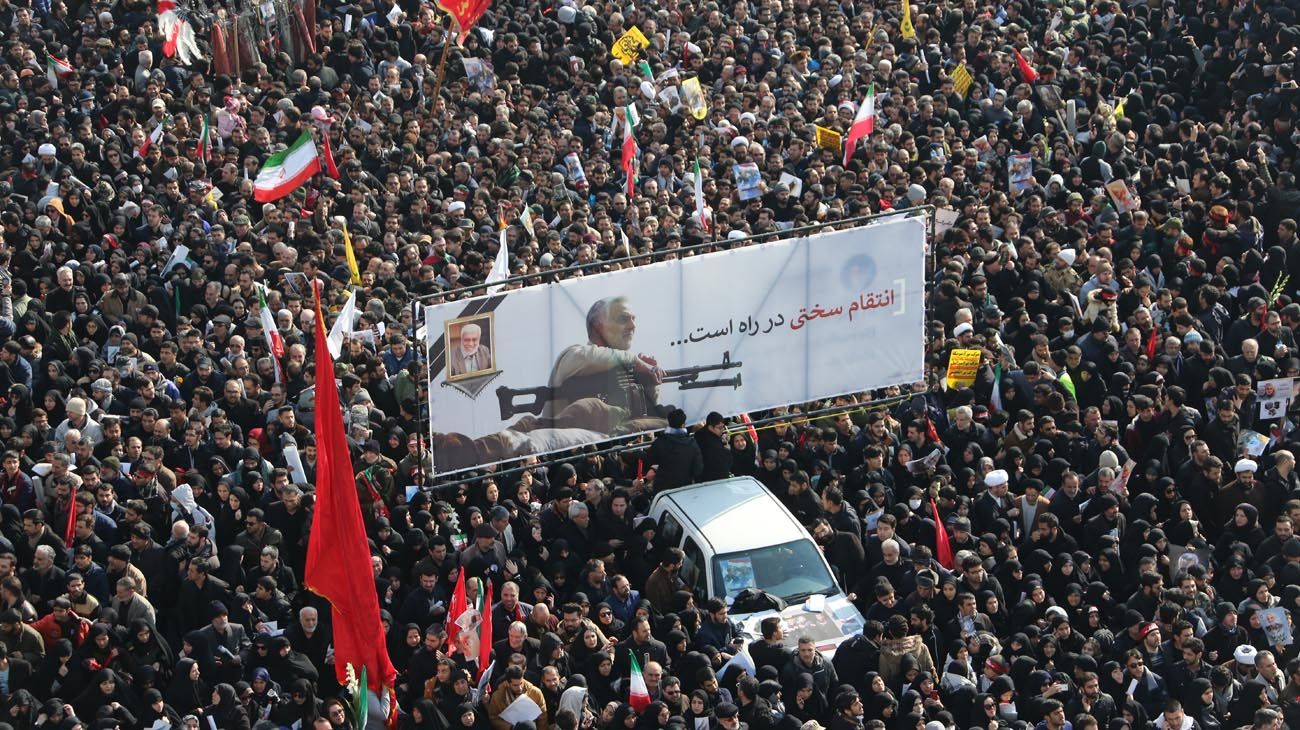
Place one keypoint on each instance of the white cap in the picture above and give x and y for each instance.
(567, 14)
(456, 206)
(1067, 255)
(740, 140)
(1245, 465)
(1056, 611)
(46, 150)
(961, 329)
(77, 406)
(735, 235)
(546, 259)
(1244, 654)
(748, 116)
(915, 193)
(997, 477)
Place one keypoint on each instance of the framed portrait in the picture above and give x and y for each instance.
(471, 346)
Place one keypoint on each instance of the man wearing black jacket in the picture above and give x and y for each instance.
(675, 454)
(713, 448)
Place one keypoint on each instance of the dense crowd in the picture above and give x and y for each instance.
(1118, 488)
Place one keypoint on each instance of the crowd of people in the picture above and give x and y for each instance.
(1115, 232)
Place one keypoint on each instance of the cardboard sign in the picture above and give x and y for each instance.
(962, 367)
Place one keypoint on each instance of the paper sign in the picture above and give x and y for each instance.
(1125, 200)
(577, 175)
(828, 139)
(749, 180)
(962, 367)
(479, 74)
(411, 491)
(693, 97)
(926, 464)
(1274, 396)
(294, 461)
(945, 218)
(1277, 626)
(1252, 442)
(793, 183)
(628, 47)
(737, 575)
(961, 79)
(1020, 173)
(522, 709)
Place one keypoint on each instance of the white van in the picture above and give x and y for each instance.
(737, 535)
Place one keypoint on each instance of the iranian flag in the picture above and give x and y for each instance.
(204, 148)
(501, 265)
(285, 171)
(630, 150)
(699, 197)
(863, 123)
(56, 68)
(637, 694)
(154, 137)
(274, 343)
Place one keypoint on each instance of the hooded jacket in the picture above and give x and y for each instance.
(892, 652)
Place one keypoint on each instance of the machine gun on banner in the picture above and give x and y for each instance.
(684, 378)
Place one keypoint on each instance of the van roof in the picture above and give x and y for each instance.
(736, 514)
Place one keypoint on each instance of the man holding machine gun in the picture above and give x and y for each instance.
(606, 368)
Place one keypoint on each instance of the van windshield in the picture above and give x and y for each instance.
(793, 571)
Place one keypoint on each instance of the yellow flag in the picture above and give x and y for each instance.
(828, 139)
(1119, 106)
(961, 79)
(693, 96)
(905, 27)
(352, 257)
(629, 46)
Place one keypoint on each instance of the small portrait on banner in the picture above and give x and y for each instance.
(472, 350)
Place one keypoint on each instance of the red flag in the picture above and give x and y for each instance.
(464, 14)
(485, 632)
(458, 606)
(338, 552)
(331, 169)
(1027, 72)
(753, 436)
(942, 550)
(930, 431)
(1151, 342)
(70, 531)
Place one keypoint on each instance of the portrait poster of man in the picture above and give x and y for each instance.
(471, 354)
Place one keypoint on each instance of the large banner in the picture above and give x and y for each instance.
(547, 368)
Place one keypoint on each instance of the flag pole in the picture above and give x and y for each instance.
(713, 225)
(442, 64)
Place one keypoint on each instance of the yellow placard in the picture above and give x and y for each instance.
(962, 368)
(628, 48)
(961, 79)
(693, 97)
(828, 139)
